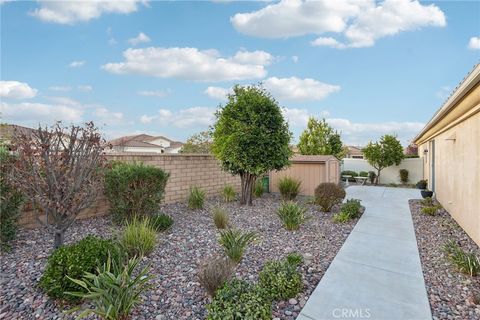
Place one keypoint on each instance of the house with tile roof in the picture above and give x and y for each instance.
(145, 143)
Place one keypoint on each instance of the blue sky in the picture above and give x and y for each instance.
(369, 67)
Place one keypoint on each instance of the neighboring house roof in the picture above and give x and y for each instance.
(141, 140)
(355, 150)
(313, 159)
(449, 115)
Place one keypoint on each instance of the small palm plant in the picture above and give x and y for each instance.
(289, 188)
(292, 215)
(114, 290)
(234, 242)
(196, 198)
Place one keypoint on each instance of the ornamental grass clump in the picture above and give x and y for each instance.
(289, 188)
(234, 243)
(220, 218)
(328, 194)
(138, 237)
(228, 193)
(258, 189)
(214, 273)
(466, 262)
(292, 215)
(196, 198)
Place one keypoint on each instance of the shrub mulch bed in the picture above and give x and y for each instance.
(192, 239)
(452, 295)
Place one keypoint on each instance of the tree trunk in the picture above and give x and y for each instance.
(58, 240)
(377, 179)
(248, 181)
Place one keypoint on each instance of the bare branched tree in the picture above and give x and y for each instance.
(60, 170)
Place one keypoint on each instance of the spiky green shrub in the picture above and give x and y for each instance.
(138, 238)
(228, 193)
(114, 289)
(134, 190)
(431, 211)
(234, 243)
(215, 273)
(237, 300)
(220, 218)
(289, 188)
(427, 202)
(466, 262)
(258, 189)
(160, 222)
(10, 202)
(73, 261)
(280, 280)
(292, 215)
(328, 194)
(196, 198)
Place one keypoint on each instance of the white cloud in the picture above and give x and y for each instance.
(16, 90)
(70, 12)
(155, 93)
(65, 101)
(184, 118)
(192, 64)
(85, 88)
(76, 64)
(141, 38)
(60, 88)
(105, 115)
(217, 93)
(294, 59)
(38, 112)
(297, 89)
(360, 22)
(474, 43)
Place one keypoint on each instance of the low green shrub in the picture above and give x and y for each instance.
(422, 184)
(372, 176)
(228, 193)
(138, 238)
(160, 222)
(114, 289)
(234, 243)
(431, 211)
(350, 210)
(289, 188)
(363, 174)
(134, 190)
(10, 202)
(73, 261)
(466, 262)
(328, 194)
(196, 198)
(403, 175)
(341, 217)
(237, 300)
(215, 273)
(258, 189)
(280, 280)
(427, 202)
(351, 173)
(294, 258)
(292, 215)
(220, 218)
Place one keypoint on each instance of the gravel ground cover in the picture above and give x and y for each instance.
(176, 293)
(452, 295)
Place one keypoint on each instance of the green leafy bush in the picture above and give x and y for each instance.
(258, 189)
(114, 289)
(350, 210)
(351, 173)
(328, 194)
(363, 174)
(138, 238)
(160, 222)
(289, 188)
(196, 198)
(215, 273)
(431, 211)
(466, 262)
(280, 280)
(294, 258)
(220, 218)
(234, 242)
(228, 193)
(372, 176)
(73, 261)
(403, 175)
(292, 215)
(422, 184)
(10, 202)
(134, 189)
(238, 300)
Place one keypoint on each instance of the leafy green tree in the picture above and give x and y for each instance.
(250, 136)
(198, 143)
(319, 138)
(384, 153)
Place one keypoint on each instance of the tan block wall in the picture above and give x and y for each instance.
(457, 173)
(203, 171)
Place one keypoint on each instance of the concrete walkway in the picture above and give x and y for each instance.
(377, 273)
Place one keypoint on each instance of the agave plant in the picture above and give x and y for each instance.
(234, 243)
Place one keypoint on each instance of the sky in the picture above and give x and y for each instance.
(163, 67)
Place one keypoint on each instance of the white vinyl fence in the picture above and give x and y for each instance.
(390, 174)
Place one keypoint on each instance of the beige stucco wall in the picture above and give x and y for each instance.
(457, 172)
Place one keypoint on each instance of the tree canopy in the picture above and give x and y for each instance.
(198, 143)
(384, 153)
(319, 138)
(250, 136)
